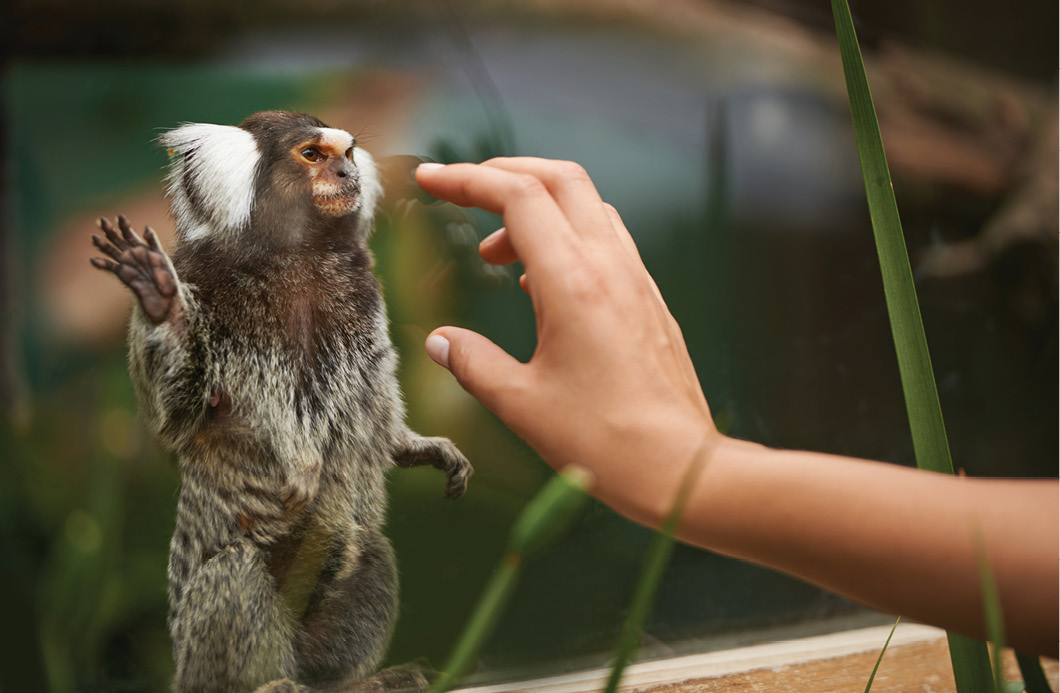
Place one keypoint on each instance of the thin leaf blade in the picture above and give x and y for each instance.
(540, 523)
(914, 361)
(1034, 679)
(887, 642)
(655, 562)
(971, 662)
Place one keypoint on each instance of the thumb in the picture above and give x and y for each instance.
(481, 367)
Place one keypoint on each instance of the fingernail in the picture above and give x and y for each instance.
(438, 349)
(429, 166)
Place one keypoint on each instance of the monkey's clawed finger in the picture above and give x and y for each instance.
(112, 235)
(152, 239)
(107, 265)
(127, 231)
(459, 472)
(107, 248)
(456, 487)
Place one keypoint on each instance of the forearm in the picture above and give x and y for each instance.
(900, 540)
(167, 364)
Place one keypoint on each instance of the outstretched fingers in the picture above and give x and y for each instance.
(107, 248)
(571, 187)
(539, 231)
(113, 237)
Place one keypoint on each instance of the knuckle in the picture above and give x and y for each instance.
(572, 172)
(526, 185)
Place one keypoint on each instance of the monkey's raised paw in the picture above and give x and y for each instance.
(459, 470)
(141, 266)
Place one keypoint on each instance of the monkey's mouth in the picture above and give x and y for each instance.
(339, 203)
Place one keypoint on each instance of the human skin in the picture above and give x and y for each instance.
(611, 387)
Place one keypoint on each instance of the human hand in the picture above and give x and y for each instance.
(610, 385)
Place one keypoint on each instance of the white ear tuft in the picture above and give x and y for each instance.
(211, 178)
(371, 188)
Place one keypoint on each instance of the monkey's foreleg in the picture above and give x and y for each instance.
(440, 453)
(230, 629)
(167, 334)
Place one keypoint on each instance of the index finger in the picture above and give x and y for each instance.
(571, 187)
(538, 229)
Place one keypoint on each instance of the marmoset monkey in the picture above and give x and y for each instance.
(260, 356)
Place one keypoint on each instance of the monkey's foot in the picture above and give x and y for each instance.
(143, 267)
(403, 677)
(281, 686)
(441, 454)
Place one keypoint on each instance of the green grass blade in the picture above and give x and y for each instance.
(995, 629)
(914, 362)
(550, 512)
(970, 658)
(541, 522)
(872, 676)
(490, 606)
(1033, 676)
(654, 566)
(971, 664)
(655, 563)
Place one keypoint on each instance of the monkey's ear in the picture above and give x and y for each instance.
(211, 176)
(398, 176)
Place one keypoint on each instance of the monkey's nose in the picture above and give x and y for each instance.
(342, 173)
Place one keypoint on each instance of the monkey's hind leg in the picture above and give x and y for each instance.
(440, 453)
(403, 678)
(230, 629)
(347, 624)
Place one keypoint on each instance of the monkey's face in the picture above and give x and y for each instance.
(269, 182)
(328, 161)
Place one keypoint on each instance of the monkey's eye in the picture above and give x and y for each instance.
(349, 153)
(312, 154)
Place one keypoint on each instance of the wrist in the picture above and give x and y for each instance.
(670, 477)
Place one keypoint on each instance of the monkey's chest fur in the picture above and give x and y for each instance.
(301, 407)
